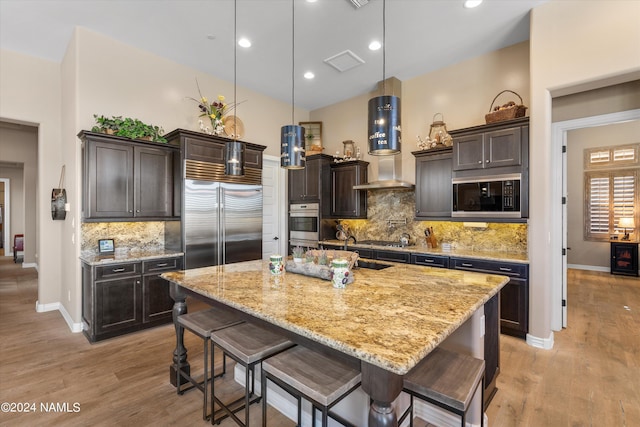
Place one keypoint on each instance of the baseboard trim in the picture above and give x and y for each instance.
(42, 308)
(544, 343)
(589, 267)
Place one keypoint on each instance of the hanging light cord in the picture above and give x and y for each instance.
(384, 46)
(235, 66)
(293, 56)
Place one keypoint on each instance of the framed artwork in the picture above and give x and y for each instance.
(313, 137)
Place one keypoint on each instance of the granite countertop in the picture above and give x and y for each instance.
(466, 253)
(92, 258)
(390, 318)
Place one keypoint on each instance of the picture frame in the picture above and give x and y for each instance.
(313, 137)
(106, 247)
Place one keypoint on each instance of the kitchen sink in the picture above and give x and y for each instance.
(372, 265)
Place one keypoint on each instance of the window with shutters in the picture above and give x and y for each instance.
(611, 190)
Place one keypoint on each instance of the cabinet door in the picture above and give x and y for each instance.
(157, 304)
(109, 180)
(297, 185)
(514, 308)
(433, 185)
(503, 148)
(118, 305)
(153, 172)
(204, 150)
(468, 152)
(312, 181)
(345, 201)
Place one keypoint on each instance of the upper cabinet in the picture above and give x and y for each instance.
(128, 180)
(433, 183)
(496, 145)
(305, 185)
(345, 201)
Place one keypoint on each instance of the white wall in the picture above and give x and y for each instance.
(30, 90)
(584, 252)
(575, 46)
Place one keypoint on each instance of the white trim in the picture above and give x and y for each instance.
(30, 265)
(589, 267)
(558, 139)
(42, 308)
(544, 343)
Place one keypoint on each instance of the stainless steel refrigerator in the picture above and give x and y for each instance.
(222, 223)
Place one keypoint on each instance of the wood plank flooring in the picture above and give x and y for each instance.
(590, 378)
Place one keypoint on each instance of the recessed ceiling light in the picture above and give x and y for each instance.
(470, 4)
(309, 75)
(311, 1)
(244, 42)
(375, 45)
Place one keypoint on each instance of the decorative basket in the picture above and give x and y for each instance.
(508, 111)
(322, 271)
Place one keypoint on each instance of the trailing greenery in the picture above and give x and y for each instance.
(128, 128)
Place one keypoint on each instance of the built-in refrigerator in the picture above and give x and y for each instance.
(222, 223)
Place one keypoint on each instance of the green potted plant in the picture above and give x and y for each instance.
(298, 253)
(128, 128)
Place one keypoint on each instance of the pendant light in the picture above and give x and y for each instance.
(384, 112)
(292, 154)
(234, 150)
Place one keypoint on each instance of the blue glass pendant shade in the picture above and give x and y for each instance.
(385, 133)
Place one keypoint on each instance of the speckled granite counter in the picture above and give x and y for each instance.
(92, 258)
(488, 255)
(389, 318)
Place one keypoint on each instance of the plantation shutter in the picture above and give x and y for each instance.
(598, 205)
(624, 189)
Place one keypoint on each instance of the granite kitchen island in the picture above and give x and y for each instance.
(385, 322)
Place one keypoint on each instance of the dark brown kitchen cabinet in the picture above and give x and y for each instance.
(125, 297)
(345, 201)
(491, 146)
(433, 183)
(126, 180)
(514, 296)
(306, 185)
(491, 347)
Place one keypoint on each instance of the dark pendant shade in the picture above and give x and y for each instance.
(292, 154)
(234, 158)
(384, 125)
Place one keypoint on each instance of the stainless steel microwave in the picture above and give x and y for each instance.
(490, 196)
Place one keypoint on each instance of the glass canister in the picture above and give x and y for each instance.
(276, 266)
(340, 273)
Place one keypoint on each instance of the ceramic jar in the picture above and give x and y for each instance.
(340, 273)
(276, 266)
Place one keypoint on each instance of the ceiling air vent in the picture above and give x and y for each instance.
(344, 61)
(358, 3)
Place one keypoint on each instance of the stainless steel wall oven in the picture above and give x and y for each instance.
(304, 224)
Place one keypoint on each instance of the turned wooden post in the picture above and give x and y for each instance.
(180, 352)
(383, 387)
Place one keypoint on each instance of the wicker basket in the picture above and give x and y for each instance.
(508, 113)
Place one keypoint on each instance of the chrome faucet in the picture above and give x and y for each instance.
(347, 241)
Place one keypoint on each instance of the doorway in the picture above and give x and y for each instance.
(5, 216)
(273, 214)
(559, 133)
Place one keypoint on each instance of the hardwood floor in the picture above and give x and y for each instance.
(590, 378)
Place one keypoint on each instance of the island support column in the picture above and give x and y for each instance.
(180, 352)
(383, 387)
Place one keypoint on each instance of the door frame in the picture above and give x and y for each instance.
(559, 132)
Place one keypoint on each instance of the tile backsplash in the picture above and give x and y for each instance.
(391, 213)
(126, 235)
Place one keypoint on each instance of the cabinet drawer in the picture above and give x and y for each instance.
(403, 257)
(430, 260)
(117, 270)
(159, 265)
(498, 267)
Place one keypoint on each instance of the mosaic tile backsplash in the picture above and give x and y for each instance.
(389, 209)
(145, 236)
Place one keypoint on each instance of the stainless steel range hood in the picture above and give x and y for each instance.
(389, 175)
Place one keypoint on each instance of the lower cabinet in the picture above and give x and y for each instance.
(491, 347)
(624, 258)
(514, 296)
(125, 297)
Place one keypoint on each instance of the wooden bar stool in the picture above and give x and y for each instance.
(203, 323)
(304, 373)
(248, 345)
(448, 380)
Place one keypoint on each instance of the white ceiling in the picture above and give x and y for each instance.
(421, 36)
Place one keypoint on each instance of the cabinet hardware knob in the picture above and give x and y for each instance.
(479, 161)
(486, 161)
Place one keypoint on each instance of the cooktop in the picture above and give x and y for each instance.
(381, 243)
